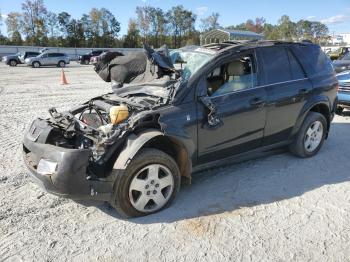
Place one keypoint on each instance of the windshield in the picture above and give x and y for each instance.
(192, 60)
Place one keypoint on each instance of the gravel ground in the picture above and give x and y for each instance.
(279, 208)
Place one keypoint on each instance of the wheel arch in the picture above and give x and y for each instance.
(320, 106)
(155, 139)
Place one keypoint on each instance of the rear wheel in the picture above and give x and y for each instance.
(148, 185)
(61, 64)
(13, 63)
(86, 61)
(36, 64)
(311, 136)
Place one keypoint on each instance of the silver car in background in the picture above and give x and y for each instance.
(46, 59)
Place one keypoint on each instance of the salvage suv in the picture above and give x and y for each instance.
(231, 101)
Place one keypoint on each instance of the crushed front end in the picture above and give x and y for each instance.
(71, 154)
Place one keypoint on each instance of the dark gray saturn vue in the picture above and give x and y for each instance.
(212, 105)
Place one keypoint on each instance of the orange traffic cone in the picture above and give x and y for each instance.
(63, 78)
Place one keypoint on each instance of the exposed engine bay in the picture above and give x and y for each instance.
(105, 121)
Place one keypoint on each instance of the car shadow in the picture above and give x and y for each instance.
(256, 182)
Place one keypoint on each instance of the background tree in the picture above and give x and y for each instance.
(211, 22)
(144, 19)
(182, 23)
(132, 38)
(34, 15)
(14, 24)
(110, 28)
(52, 25)
(158, 25)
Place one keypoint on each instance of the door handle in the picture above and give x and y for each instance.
(256, 101)
(303, 91)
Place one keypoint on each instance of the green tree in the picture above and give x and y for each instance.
(14, 24)
(182, 22)
(34, 26)
(158, 26)
(110, 28)
(287, 29)
(132, 38)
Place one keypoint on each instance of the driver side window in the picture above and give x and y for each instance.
(238, 74)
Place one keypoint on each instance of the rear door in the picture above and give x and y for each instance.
(287, 90)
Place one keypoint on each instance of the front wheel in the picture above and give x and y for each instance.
(310, 137)
(13, 63)
(148, 185)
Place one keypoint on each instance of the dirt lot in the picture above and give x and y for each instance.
(279, 208)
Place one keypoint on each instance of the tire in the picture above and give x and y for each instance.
(309, 140)
(339, 110)
(13, 63)
(61, 64)
(126, 200)
(36, 64)
(86, 62)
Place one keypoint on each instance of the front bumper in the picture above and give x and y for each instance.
(343, 99)
(71, 178)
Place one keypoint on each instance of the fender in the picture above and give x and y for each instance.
(133, 144)
(318, 100)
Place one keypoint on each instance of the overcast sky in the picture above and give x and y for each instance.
(335, 13)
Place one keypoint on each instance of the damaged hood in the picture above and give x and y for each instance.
(143, 90)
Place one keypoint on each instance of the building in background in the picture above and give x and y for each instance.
(340, 39)
(220, 35)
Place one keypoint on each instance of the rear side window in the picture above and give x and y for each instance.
(275, 65)
(313, 59)
(296, 70)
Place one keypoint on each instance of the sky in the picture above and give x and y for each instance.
(335, 14)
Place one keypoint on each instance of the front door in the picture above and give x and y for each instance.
(232, 111)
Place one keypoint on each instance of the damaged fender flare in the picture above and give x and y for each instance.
(133, 144)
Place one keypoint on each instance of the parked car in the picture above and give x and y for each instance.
(338, 53)
(85, 59)
(343, 92)
(342, 64)
(14, 60)
(232, 100)
(46, 59)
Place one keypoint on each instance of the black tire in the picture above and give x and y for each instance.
(297, 147)
(13, 63)
(86, 61)
(120, 199)
(36, 64)
(61, 64)
(339, 110)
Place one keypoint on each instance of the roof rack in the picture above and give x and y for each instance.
(223, 46)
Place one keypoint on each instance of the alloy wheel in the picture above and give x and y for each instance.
(313, 136)
(151, 188)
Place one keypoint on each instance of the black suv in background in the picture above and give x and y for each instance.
(230, 101)
(85, 59)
